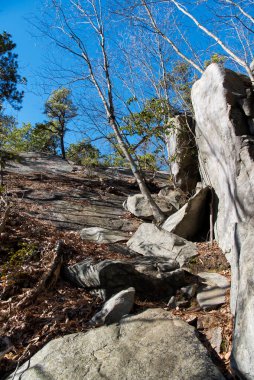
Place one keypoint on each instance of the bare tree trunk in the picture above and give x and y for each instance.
(157, 213)
(94, 19)
(62, 146)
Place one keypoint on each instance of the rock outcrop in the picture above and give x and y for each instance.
(191, 219)
(224, 111)
(152, 277)
(182, 153)
(147, 346)
(223, 102)
(150, 240)
(243, 337)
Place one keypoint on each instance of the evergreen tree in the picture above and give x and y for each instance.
(60, 110)
(83, 153)
(9, 77)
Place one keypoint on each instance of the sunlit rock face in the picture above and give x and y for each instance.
(223, 103)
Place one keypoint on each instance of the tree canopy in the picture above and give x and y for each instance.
(9, 76)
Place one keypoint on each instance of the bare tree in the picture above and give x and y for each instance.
(224, 25)
(216, 38)
(90, 16)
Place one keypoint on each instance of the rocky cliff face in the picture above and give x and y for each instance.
(182, 153)
(223, 102)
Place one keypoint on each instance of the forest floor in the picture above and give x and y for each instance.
(26, 252)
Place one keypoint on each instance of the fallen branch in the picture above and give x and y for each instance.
(49, 278)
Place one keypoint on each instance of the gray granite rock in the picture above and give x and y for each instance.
(115, 308)
(150, 240)
(103, 235)
(242, 359)
(138, 205)
(152, 277)
(190, 219)
(225, 146)
(182, 153)
(213, 293)
(223, 103)
(176, 196)
(147, 346)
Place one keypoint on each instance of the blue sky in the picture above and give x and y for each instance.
(14, 18)
(33, 51)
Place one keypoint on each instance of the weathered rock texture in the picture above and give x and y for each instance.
(152, 277)
(224, 109)
(223, 102)
(243, 338)
(191, 218)
(212, 294)
(115, 308)
(146, 346)
(182, 153)
(149, 240)
(138, 205)
(103, 235)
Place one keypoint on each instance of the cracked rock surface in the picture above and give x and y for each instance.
(125, 351)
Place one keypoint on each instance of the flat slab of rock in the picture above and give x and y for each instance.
(190, 219)
(31, 162)
(152, 277)
(115, 308)
(149, 240)
(146, 346)
(103, 235)
(213, 293)
(138, 205)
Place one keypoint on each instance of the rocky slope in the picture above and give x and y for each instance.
(36, 308)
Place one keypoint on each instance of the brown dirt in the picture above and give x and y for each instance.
(66, 309)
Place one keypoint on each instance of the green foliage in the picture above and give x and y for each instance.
(7, 124)
(215, 58)
(150, 121)
(83, 153)
(9, 77)
(148, 162)
(60, 109)
(27, 138)
(43, 138)
(16, 258)
(179, 83)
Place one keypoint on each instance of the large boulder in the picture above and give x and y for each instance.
(147, 346)
(152, 277)
(182, 153)
(150, 240)
(224, 112)
(190, 220)
(242, 359)
(138, 205)
(223, 102)
(175, 196)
